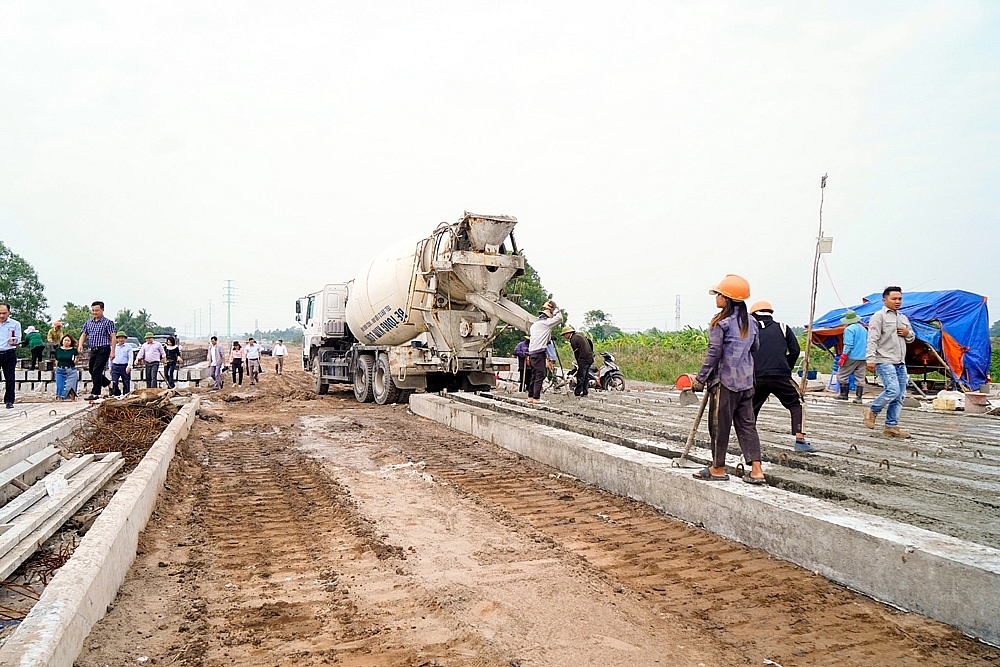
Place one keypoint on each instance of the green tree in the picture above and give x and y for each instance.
(995, 329)
(599, 325)
(526, 291)
(20, 287)
(73, 318)
(139, 323)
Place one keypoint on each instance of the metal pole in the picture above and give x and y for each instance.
(812, 304)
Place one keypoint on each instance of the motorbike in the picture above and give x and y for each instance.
(608, 377)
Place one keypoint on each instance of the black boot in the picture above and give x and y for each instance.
(844, 391)
(859, 392)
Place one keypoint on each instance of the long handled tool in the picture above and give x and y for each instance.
(694, 430)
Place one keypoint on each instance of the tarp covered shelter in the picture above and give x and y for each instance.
(952, 323)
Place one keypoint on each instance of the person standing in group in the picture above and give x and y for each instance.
(888, 333)
(541, 335)
(53, 338)
(772, 369)
(853, 357)
(122, 359)
(216, 360)
(10, 338)
(728, 376)
(33, 341)
(236, 361)
(523, 370)
(173, 358)
(151, 354)
(280, 352)
(583, 350)
(67, 376)
(252, 355)
(98, 333)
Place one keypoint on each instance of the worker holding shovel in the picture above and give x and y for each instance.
(728, 372)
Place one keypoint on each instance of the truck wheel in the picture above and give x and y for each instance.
(319, 386)
(383, 387)
(363, 378)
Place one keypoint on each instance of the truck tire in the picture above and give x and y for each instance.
(383, 387)
(363, 378)
(319, 386)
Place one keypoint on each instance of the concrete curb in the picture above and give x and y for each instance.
(947, 579)
(79, 594)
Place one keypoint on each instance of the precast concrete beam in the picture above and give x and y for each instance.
(944, 578)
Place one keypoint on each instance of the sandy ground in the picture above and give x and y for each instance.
(308, 530)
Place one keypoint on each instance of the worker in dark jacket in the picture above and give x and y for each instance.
(772, 363)
(583, 350)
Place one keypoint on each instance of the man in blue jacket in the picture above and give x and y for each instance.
(852, 357)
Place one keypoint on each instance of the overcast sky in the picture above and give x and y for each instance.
(150, 151)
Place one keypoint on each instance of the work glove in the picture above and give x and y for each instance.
(842, 360)
(696, 385)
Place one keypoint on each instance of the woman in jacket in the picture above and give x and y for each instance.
(171, 361)
(728, 375)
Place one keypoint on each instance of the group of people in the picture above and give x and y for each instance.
(242, 357)
(107, 347)
(750, 356)
(537, 352)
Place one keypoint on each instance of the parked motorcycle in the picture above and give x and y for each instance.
(608, 377)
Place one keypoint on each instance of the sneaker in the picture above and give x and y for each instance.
(869, 418)
(804, 447)
(895, 432)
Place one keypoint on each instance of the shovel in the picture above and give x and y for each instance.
(682, 461)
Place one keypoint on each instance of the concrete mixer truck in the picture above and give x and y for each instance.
(421, 315)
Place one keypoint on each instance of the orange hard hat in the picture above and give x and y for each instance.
(735, 287)
(761, 305)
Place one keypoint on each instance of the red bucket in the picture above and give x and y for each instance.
(684, 381)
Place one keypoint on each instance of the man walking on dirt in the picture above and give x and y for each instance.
(216, 360)
(772, 369)
(583, 350)
(280, 352)
(541, 335)
(852, 357)
(98, 333)
(251, 354)
(888, 333)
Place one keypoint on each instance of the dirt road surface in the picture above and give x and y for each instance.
(306, 530)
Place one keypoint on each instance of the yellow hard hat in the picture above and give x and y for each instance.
(761, 305)
(735, 287)
(568, 329)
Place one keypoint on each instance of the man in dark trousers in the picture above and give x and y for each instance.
(773, 362)
(583, 350)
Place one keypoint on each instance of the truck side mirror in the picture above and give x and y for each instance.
(298, 309)
(298, 318)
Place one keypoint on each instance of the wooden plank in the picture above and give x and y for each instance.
(27, 546)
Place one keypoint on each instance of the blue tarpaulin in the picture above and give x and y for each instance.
(954, 323)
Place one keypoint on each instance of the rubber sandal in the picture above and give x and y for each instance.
(707, 475)
(753, 480)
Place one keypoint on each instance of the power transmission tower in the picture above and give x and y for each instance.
(229, 298)
(210, 332)
(256, 327)
(677, 313)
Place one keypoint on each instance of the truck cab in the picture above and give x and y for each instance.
(323, 316)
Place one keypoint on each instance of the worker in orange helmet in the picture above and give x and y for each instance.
(728, 374)
(772, 368)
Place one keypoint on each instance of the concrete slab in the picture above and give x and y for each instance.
(948, 579)
(78, 596)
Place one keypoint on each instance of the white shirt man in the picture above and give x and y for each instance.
(252, 355)
(280, 352)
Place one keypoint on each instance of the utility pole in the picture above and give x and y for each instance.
(210, 332)
(677, 313)
(229, 298)
(256, 327)
(823, 245)
(194, 323)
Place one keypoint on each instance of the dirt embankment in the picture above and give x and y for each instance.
(307, 531)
